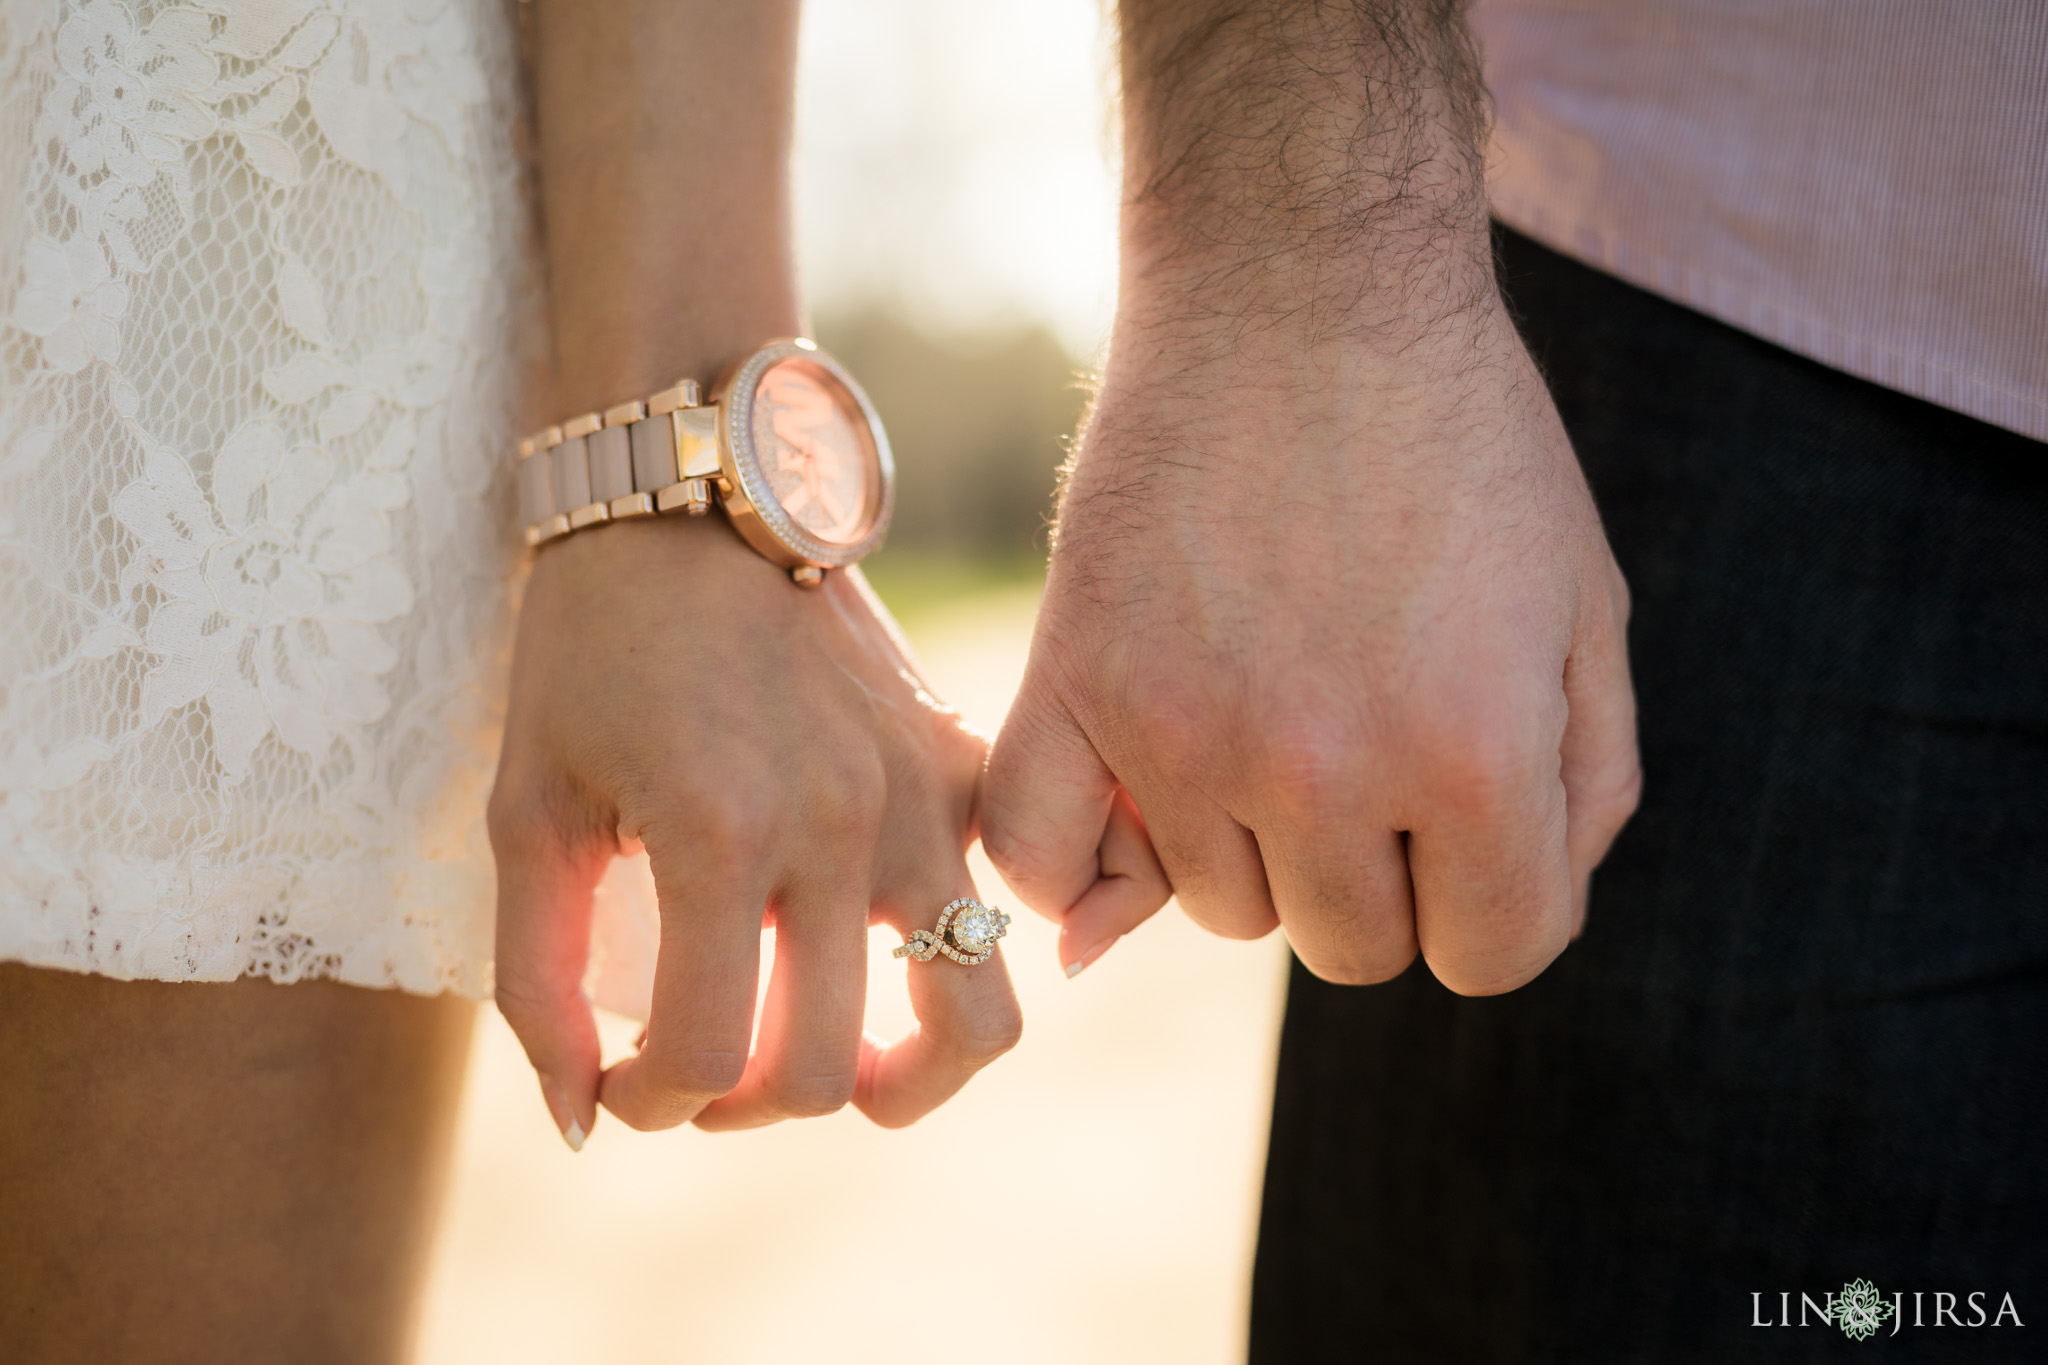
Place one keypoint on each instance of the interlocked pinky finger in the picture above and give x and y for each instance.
(967, 1016)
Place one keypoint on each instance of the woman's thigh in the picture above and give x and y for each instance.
(221, 1171)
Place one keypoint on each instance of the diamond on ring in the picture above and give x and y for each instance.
(971, 927)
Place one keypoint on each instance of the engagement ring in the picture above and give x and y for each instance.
(974, 929)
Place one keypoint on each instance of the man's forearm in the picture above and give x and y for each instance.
(664, 136)
(1329, 603)
(1303, 163)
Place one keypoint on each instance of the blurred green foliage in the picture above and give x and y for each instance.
(922, 583)
(978, 423)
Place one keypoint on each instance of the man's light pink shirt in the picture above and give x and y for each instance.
(1862, 181)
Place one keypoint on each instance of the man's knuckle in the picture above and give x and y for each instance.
(1496, 975)
(1211, 892)
(1621, 594)
(1311, 767)
(1618, 804)
(1010, 843)
(1359, 968)
(1171, 731)
(1486, 771)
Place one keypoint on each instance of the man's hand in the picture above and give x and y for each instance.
(1329, 603)
(775, 753)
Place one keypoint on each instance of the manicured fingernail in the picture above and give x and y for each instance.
(565, 1118)
(1087, 959)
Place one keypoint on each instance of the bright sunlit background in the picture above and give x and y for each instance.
(954, 164)
(1092, 1197)
(956, 204)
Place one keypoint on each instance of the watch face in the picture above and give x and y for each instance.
(814, 445)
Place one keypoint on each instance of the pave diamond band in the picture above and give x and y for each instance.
(967, 932)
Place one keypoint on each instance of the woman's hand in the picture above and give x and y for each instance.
(776, 754)
(770, 746)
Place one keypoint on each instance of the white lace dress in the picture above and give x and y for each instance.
(266, 300)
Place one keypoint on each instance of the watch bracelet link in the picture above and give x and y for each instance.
(633, 460)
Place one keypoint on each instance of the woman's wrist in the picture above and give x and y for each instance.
(621, 355)
(667, 258)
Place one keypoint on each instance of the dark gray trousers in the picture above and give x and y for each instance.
(1805, 1038)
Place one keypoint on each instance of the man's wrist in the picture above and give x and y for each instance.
(1418, 324)
(1311, 168)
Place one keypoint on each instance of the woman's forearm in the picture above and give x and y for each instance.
(664, 130)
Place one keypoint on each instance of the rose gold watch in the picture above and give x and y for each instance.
(789, 446)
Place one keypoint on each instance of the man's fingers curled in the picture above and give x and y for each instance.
(1343, 897)
(1044, 804)
(1493, 890)
(1129, 888)
(1211, 861)
(1599, 763)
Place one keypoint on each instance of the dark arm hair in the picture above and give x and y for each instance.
(1312, 161)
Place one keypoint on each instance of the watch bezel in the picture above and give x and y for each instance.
(750, 501)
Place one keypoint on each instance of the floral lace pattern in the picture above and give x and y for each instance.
(266, 297)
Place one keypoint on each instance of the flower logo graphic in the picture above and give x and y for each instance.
(1860, 1310)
